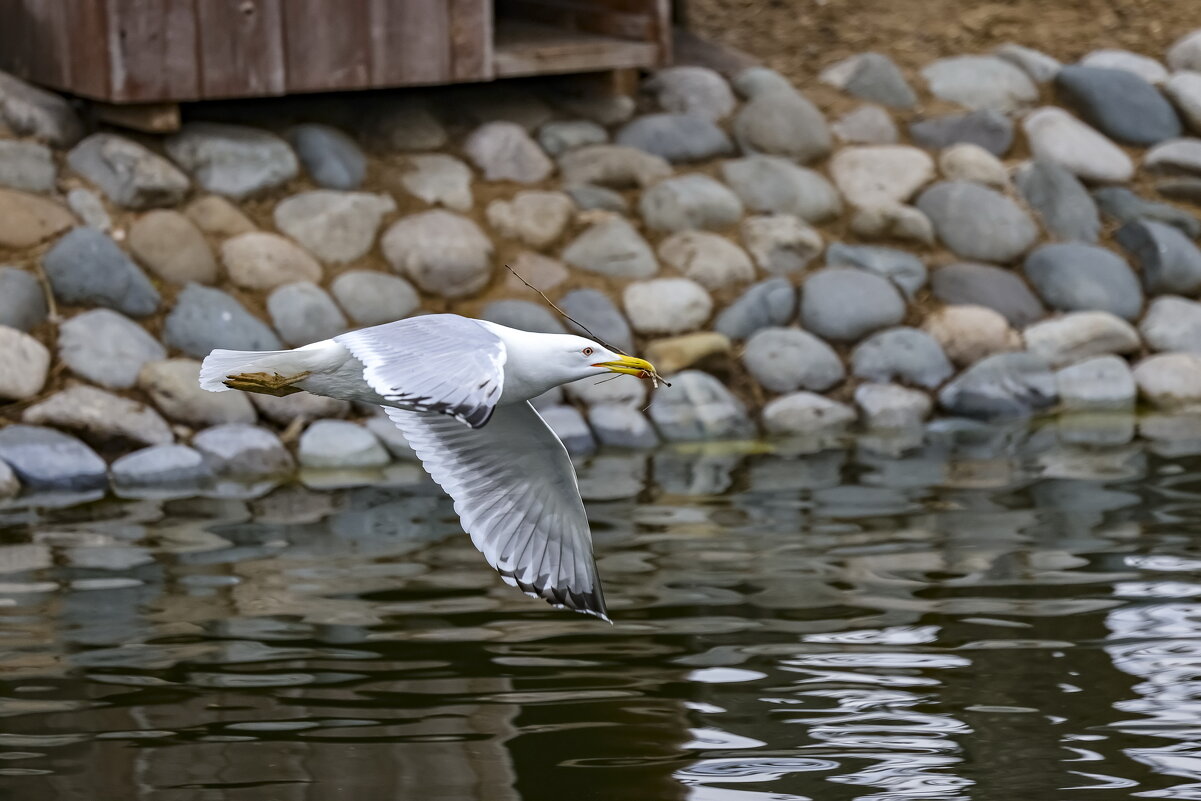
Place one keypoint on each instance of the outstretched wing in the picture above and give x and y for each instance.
(515, 492)
(439, 363)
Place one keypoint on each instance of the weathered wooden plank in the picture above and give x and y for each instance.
(581, 15)
(86, 47)
(15, 35)
(241, 48)
(532, 49)
(471, 39)
(152, 50)
(664, 35)
(325, 44)
(410, 42)
(148, 117)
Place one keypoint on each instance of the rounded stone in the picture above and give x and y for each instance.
(523, 315)
(45, 459)
(1124, 206)
(612, 166)
(880, 174)
(871, 76)
(1185, 52)
(689, 201)
(1041, 67)
(1119, 103)
(535, 218)
(672, 354)
(980, 82)
(1184, 90)
(1103, 383)
(968, 162)
(770, 303)
(172, 247)
(128, 173)
(588, 197)
(372, 298)
(205, 318)
(87, 267)
(107, 348)
(333, 159)
(1172, 324)
(232, 160)
(571, 428)
(1058, 137)
(22, 299)
(1168, 260)
(986, 285)
(900, 267)
(888, 406)
(699, 407)
(711, 260)
(675, 137)
(161, 467)
(787, 359)
(244, 451)
(594, 309)
(892, 221)
(504, 151)
(616, 425)
(442, 253)
(260, 260)
(1080, 335)
(88, 207)
(782, 123)
(976, 222)
(901, 354)
(1007, 385)
(614, 248)
(27, 166)
(173, 386)
(1144, 67)
(26, 220)
(1166, 380)
(803, 413)
(336, 227)
(24, 363)
(438, 179)
(100, 416)
(968, 334)
(1065, 207)
(846, 304)
(780, 243)
(217, 217)
(866, 125)
(775, 185)
(988, 128)
(667, 305)
(699, 91)
(303, 313)
(339, 444)
(1076, 277)
(556, 138)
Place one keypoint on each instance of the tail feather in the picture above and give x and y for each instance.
(220, 364)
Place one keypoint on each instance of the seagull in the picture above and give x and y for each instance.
(459, 390)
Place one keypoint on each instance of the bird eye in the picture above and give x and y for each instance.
(587, 351)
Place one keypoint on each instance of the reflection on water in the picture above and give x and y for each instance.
(991, 614)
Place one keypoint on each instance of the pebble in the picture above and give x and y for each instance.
(675, 137)
(22, 299)
(89, 208)
(1167, 259)
(625, 391)
(1119, 103)
(787, 359)
(1103, 383)
(244, 451)
(336, 227)
(780, 243)
(217, 217)
(968, 334)
(232, 160)
(27, 166)
(889, 406)
(1172, 324)
(443, 253)
(45, 459)
(612, 247)
(770, 303)
(304, 313)
(30, 111)
(339, 444)
(260, 260)
(174, 387)
(1061, 202)
(756, 81)
(846, 304)
(866, 125)
(27, 220)
(1041, 67)
(699, 91)
(504, 151)
(993, 287)
(666, 305)
(712, 261)
(1058, 137)
(1178, 156)
(1076, 277)
(542, 272)
(902, 268)
(871, 76)
(1124, 206)
(556, 138)
(980, 82)
(775, 185)
(100, 416)
(594, 309)
(392, 437)
(87, 267)
(24, 363)
(1184, 90)
(1006, 385)
(205, 318)
(968, 162)
(371, 298)
(107, 348)
(571, 428)
(689, 201)
(901, 354)
(1185, 52)
(892, 221)
(880, 174)
(331, 158)
(1079, 335)
(782, 123)
(1166, 380)
(588, 197)
(404, 122)
(989, 129)
(1187, 190)
(612, 166)
(161, 466)
(129, 174)
(173, 248)
(678, 353)
(975, 222)
(1148, 69)
(698, 406)
(524, 316)
(284, 410)
(806, 413)
(618, 426)
(535, 218)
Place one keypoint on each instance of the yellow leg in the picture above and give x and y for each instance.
(265, 383)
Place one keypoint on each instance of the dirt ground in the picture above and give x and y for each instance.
(800, 37)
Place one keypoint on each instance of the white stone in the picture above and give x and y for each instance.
(1079, 335)
(969, 162)
(1170, 380)
(880, 174)
(806, 413)
(337, 227)
(438, 179)
(1175, 156)
(1041, 67)
(1144, 67)
(980, 82)
(892, 221)
(1057, 136)
(712, 261)
(970, 333)
(23, 364)
(1184, 89)
(892, 406)
(535, 218)
(1103, 383)
(780, 243)
(667, 305)
(1185, 52)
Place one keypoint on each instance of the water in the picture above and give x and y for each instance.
(996, 614)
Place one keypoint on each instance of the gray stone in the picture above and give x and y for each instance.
(689, 201)
(523, 315)
(755, 81)
(404, 122)
(88, 207)
(259, 260)
(787, 359)
(1185, 52)
(233, 160)
(889, 406)
(174, 387)
(612, 166)
(438, 179)
(161, 466)
(1006, 385)
(866, 125)
(331, 158)
(712, 261)
(371, 298)
(1172, 324)
(601, 391)
(205, 318)
(666, 305)
(392, 437)
(1058, 137)
(588, 197)
(240, 450)
(595, 310)
(968, 334)
(892, 221)
(980, 82)
(1167, 259)
(87, 267)
(1184, 90)
(1103, 383)
(804, 413)
(340, 445)
(556, 138)
(846, 304)
(992, 287)
(880, 174)
(1146, 68)
(770, 303)
(535, 270)
(871, 76)
(1075, 277)
(30, 111)
(22, 300)
(775, 185)
(901, 354)
(1080, 335)
(699, 91)
(286, 409)
(614, 248)
(336, 227)
(977, 223)
(617, 425)
(780, 243)
(24, 363)
(535, 218)
(697, 406)
(45, 459)
(904, 269)
(1119, 103)
(107, 348)
(172, 247)
(27, 166)
(443, 253)
(1166, 380)
(1041, 67)
(782, 123)
(100, 417)
(304, 313)
(989, 129)
(1062, 203)
(9, 484)
(675, 137)
(128, 173)
(571, 428)
(505, 152)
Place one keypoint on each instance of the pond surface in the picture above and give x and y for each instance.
(994, 614)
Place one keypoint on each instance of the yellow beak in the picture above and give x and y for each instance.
(629, 365)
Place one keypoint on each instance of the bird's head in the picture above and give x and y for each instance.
(592, 358)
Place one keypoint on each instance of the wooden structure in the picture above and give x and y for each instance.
(169, 51)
